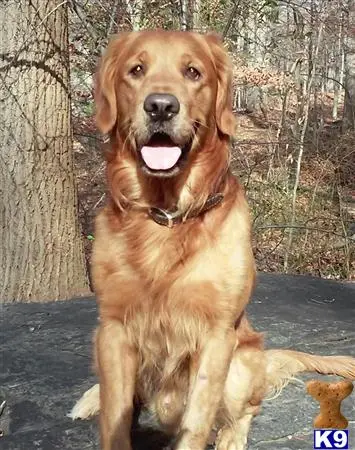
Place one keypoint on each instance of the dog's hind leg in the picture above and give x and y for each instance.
(243, 393)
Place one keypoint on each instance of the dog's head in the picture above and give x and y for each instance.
(163, 93)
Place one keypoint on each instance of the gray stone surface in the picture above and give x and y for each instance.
(45, 365)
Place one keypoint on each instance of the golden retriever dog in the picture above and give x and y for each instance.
(172, 265)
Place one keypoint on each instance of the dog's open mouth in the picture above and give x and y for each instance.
(161, 153)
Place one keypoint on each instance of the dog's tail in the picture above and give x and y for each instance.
(88, 405)
(283, 365)
(281, 368)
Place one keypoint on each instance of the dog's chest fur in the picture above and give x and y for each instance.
(168, 286)
(178, 300)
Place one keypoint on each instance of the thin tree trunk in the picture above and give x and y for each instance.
(231, 17)
(280, 128)
(42, 251)
(349, 106)
(339, 65)
(135, 10)
(184, 15)
(307, 95)
(245, 31)
(196, 17)
(113, 23)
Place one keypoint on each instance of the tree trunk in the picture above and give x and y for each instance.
(42, 251)
(185, 20)
(135, 10)
(305, 119)
(196, 17)
(349, 106)
(339, 65)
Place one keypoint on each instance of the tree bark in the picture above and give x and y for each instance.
(196, 16)
(185, 24)
(305, 119)
(135, 11)
(42, 254)
(349, 104)
(339, 65)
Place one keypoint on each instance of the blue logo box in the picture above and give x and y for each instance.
(333, 439)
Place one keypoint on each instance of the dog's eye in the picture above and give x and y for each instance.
(137, 70)
(192, 73)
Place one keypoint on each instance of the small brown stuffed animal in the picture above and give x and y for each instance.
(330, 396)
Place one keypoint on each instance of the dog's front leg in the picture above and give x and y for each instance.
(207, 390)
(117, 365)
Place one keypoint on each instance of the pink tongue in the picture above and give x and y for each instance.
(160, 158)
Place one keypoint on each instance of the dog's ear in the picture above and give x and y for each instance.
(225, 119)
(105, 84)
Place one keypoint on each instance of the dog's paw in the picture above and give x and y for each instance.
(228, 439)
(88, 405)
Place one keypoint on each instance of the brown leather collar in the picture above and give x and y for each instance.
(171, 218)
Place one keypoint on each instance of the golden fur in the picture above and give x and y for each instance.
(173, 333)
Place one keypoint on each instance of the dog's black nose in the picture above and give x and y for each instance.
(161, 107)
